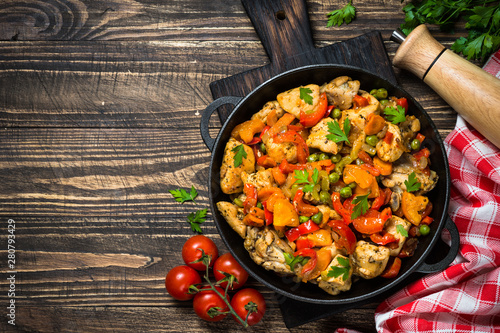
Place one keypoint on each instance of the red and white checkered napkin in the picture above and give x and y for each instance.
(466, 296)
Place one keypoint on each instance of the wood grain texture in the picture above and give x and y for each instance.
(100, 103)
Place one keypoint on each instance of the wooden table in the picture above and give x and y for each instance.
(99, 117)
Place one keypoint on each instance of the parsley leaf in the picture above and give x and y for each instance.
(395, 116)
(412, 184)
(341, 16)
(291, 261)
(181, 195)
(360, 206)
(402, 231)
(343, 269)
(302, 177)
(336, 134)
(240, 154)
(305, 95)
(195, 219)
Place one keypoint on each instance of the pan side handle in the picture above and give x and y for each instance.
(207, 113)
(452, 253)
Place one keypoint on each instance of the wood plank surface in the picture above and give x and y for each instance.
(100, 106)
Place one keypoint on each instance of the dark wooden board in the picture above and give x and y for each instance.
(285, 33)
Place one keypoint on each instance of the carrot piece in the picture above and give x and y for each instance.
(375, 124)
(385, 168)
(279, 177)
(283, 122)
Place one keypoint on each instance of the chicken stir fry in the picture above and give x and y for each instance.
(328, 184)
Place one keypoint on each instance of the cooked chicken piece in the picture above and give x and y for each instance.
(402, 168)
(291, 102)
(279, 151)
(234, 216)
(267, 249)
(369, 260)
(335, 285)
(409, 129)
(268, 107)
(317, 138)
(340, 91)
(230, 176)
(260, 179)
(390, 152)
(391, 227)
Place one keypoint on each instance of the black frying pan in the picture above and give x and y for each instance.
(319, 74)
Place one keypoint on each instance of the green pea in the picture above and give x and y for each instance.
(259, 205)
(352, 185)
(336, 113)
(415, 144)
(372, 140)
(373, 92)
(303, 219)
(384, 102)
(336, 158)
(346, 192)
(312, 158)
(333, 177)
(324, 196)
(238, 202)
(424, 229)
(323, 157)
(381, 93)
(317, 218)
(263, 147)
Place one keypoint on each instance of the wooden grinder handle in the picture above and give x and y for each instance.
(471, 91)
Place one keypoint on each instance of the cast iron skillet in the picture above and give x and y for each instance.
(319, 74)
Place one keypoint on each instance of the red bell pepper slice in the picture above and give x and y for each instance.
(286, 167)
(388, 137)
(266, 162)
(346, 238)
(359, 101)
(344, 211)
(329, 110)
(303, 229)
(420, 137)
(296, 128)
(298, 141)
(371, 169)
(422, 152)
(251, 197)
(369, 223)
(363, 155)
(383, 238)
(379, 201)
(301, 207)
(403, 102)
(311, 119)
(313, 259)
(292, 234)
(303, 243)
(392, 268)
(268, 216)
(427, 220)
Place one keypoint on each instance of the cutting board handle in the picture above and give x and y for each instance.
(283, 28)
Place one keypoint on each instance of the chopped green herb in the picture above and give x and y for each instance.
(181, 195)
(343, 269)
(402, 231)
(341, 16)
(302, 177)
(291, 261)
(360, 206)
(305, 95)
(195, 219)
(395, 116)
(336, 133)
(412, 184)
(240, 154)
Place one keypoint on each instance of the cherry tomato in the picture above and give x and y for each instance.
(179, 279)
(227, 264)
(191, 252)
(243, 300)
(207, 304)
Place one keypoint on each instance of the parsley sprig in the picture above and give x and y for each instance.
(305, 95)
(412, 184)
(360, 206)
(181, 195)
(343, 269)
(482, 23)
(340, 16)
(195, 219)
(336, 133)
(395, 115)
(401, 230)
(302, 177)
(239, 155)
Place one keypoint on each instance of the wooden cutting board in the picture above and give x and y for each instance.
(284, 29)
